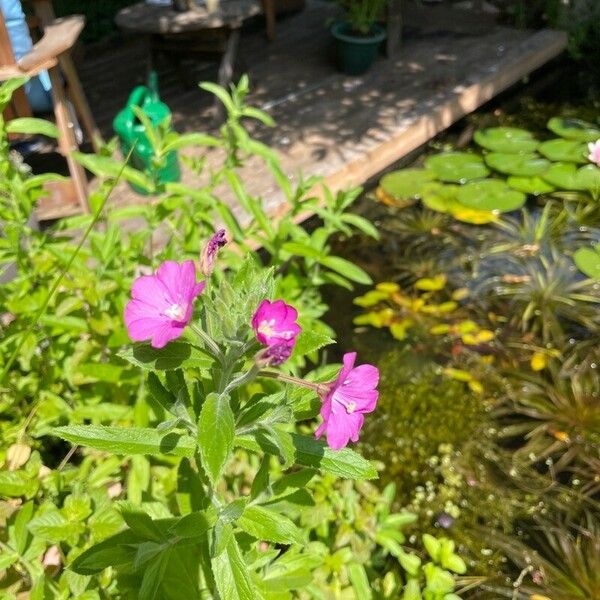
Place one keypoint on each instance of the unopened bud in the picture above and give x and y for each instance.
(209, 252)
(274, 355)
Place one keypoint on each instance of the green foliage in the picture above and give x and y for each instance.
(521, 166)
(363, 14)
(74, 377)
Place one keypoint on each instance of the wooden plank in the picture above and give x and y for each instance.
(443, 115)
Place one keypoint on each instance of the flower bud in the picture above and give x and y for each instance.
(209, 252)
(274, 355)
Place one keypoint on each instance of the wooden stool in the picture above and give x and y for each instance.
(51, 53)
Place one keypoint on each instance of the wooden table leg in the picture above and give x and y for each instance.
(226, 67)
(394, 27)
(66, 138)
(269, 10)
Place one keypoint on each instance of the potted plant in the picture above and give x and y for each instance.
(359, 35)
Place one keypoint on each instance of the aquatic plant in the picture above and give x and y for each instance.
(514, 164)
(552, 421)
(542, 293)
(557, 560)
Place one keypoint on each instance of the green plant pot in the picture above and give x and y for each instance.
(356, 53)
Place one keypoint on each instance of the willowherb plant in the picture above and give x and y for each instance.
(212, 380)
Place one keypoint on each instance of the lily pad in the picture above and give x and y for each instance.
(530, 185)
(522, 165)
(439, 197)
(443, 198)
(574, 129)
(560, 150)
(509, 140)
(457, 167)
(490, 195)
(588, 261)
(567, 176)
(405, 184)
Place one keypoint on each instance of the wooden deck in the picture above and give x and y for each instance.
(345, 128)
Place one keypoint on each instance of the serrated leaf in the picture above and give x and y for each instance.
(231, 574)
(115, 551)
(131, 440)
(216, 430)
(265, 524)
(344, 463)
(196, 524)
(310, 341)
(176, 355)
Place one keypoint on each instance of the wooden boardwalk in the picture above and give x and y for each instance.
(346, 129)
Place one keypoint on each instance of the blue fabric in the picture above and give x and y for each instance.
(37, 88)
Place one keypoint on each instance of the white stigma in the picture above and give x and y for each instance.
(175, 312)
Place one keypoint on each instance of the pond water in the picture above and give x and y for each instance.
(486, 337)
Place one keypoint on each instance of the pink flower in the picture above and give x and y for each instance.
(594, 155)
(275, 322)
(346, 401)
(162, 304)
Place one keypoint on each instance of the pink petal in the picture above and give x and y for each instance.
(342, 427)
(149, 289)
(259, 314)
(165, 334)
(364, 401)
(144, 329)
(363, 377)
(169, 274)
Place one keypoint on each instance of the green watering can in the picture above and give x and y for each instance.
(131, 131)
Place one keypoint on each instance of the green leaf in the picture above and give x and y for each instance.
(220, 93)
(568, 177)
(115, 551)
(405, 184)
(300, 249)
(490, 195)
(141, 524)
(588, 261)
(412, 590)
(521, 165)
(506, 139)
(104, 166)
(265, 524)
(190, 139)
(153, 574)
(560, 150)
(130, 440)
(458, 167)
(231, 574)
(309, 341)
(175, 355)
(360, 581)
(530, 185)
(31, 126)
(196, 524)
(53, 527)
(346, 268)
(433, 546)
(159, 392)
(344, 463)
(216, 430)
(574, 129)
